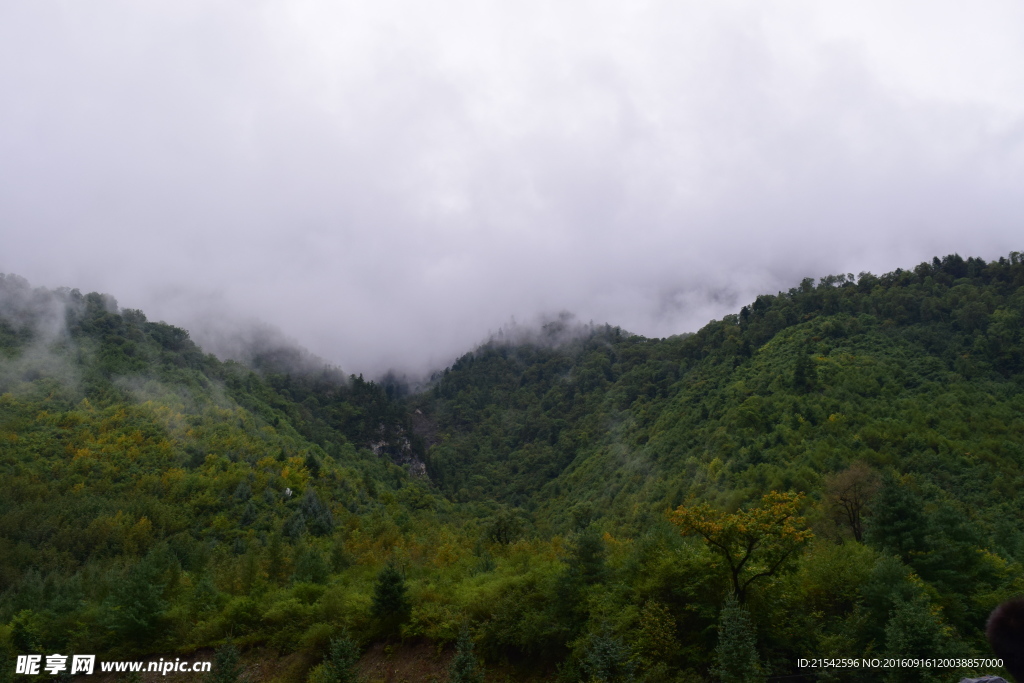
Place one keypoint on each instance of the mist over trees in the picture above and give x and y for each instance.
(834, 470)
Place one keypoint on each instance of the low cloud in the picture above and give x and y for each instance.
(36, 340)
(388, 183)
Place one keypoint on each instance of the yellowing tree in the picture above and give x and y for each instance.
(755, 542)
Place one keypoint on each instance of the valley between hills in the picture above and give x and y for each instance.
(834, 471)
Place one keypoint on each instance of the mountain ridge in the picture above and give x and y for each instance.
(160, 499)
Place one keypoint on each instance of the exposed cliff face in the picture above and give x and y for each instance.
(401, 452)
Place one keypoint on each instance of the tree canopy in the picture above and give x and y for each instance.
(843, 458)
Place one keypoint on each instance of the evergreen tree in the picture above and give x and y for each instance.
(204, 594)
(136, 605)
(390, 604)
(25, 632)
(249, 514)
(898, 524)
(295, 526)
(243, 492)
(803, 371)
(608, 660)
(736, 655)
(277, 561)
(915, 631)
(311, 566)
(226, 665)
(340, 559)
(313, 465)
(317, 516)
(250, 573)
(585, 566)
(889, 582)
(587, 557)
(464, 667)
(340, 664)
(7, 663)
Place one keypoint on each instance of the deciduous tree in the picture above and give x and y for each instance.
(756, 542)
(847, 494)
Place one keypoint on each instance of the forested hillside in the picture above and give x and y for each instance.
(832, 472)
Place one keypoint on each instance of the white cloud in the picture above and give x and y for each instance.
(389, 181)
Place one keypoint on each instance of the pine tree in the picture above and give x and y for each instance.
(340, 559)
(803, 371)
(390, 605)
(276, 560)
(25, 632)
(585, 567)
(914, 630)
(340, 664)
(464, 667)
(311, 567)
(295, 526)
(898, 524)
(249, 514)
(7, 659)
(317, 516)
(736, 655)
(587, 557)
(226, 665)
(608, 660)
(136, 605)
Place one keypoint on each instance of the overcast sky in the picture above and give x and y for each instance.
(389, 181)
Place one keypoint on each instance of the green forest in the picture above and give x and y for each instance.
(834, 471)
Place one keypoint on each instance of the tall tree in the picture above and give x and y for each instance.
(340, 664)
(226, 665)
(390, 604)
(848, 493)
(898, 524)
(608, 660)
(756, 542)
(136, 606)
(317, 515)
(736, 658)
(464, 667)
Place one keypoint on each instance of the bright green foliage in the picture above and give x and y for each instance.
(156, 499)
(464, 667)
(736, 655)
